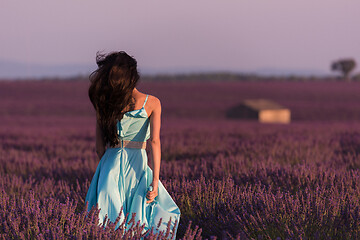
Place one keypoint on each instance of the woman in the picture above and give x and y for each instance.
(126, 118)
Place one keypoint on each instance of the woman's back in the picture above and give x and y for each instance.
(134, 125)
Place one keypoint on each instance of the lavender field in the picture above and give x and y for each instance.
(231, 178)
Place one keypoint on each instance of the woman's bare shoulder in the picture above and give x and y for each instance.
(154, 100)
(153, 103)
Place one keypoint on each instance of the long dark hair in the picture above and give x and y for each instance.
(110, 90)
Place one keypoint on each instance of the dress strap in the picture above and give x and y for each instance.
(147, 95)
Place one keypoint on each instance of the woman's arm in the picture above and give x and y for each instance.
(155, 146)
(100, 145)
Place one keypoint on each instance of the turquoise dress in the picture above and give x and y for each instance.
(123, 177)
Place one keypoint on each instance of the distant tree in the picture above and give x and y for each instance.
(345, 66)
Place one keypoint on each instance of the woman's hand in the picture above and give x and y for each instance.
(152, 194)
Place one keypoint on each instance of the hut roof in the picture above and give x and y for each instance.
(262, 104)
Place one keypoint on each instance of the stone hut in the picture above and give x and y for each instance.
(263, 110)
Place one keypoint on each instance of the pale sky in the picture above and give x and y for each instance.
(165, 35)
